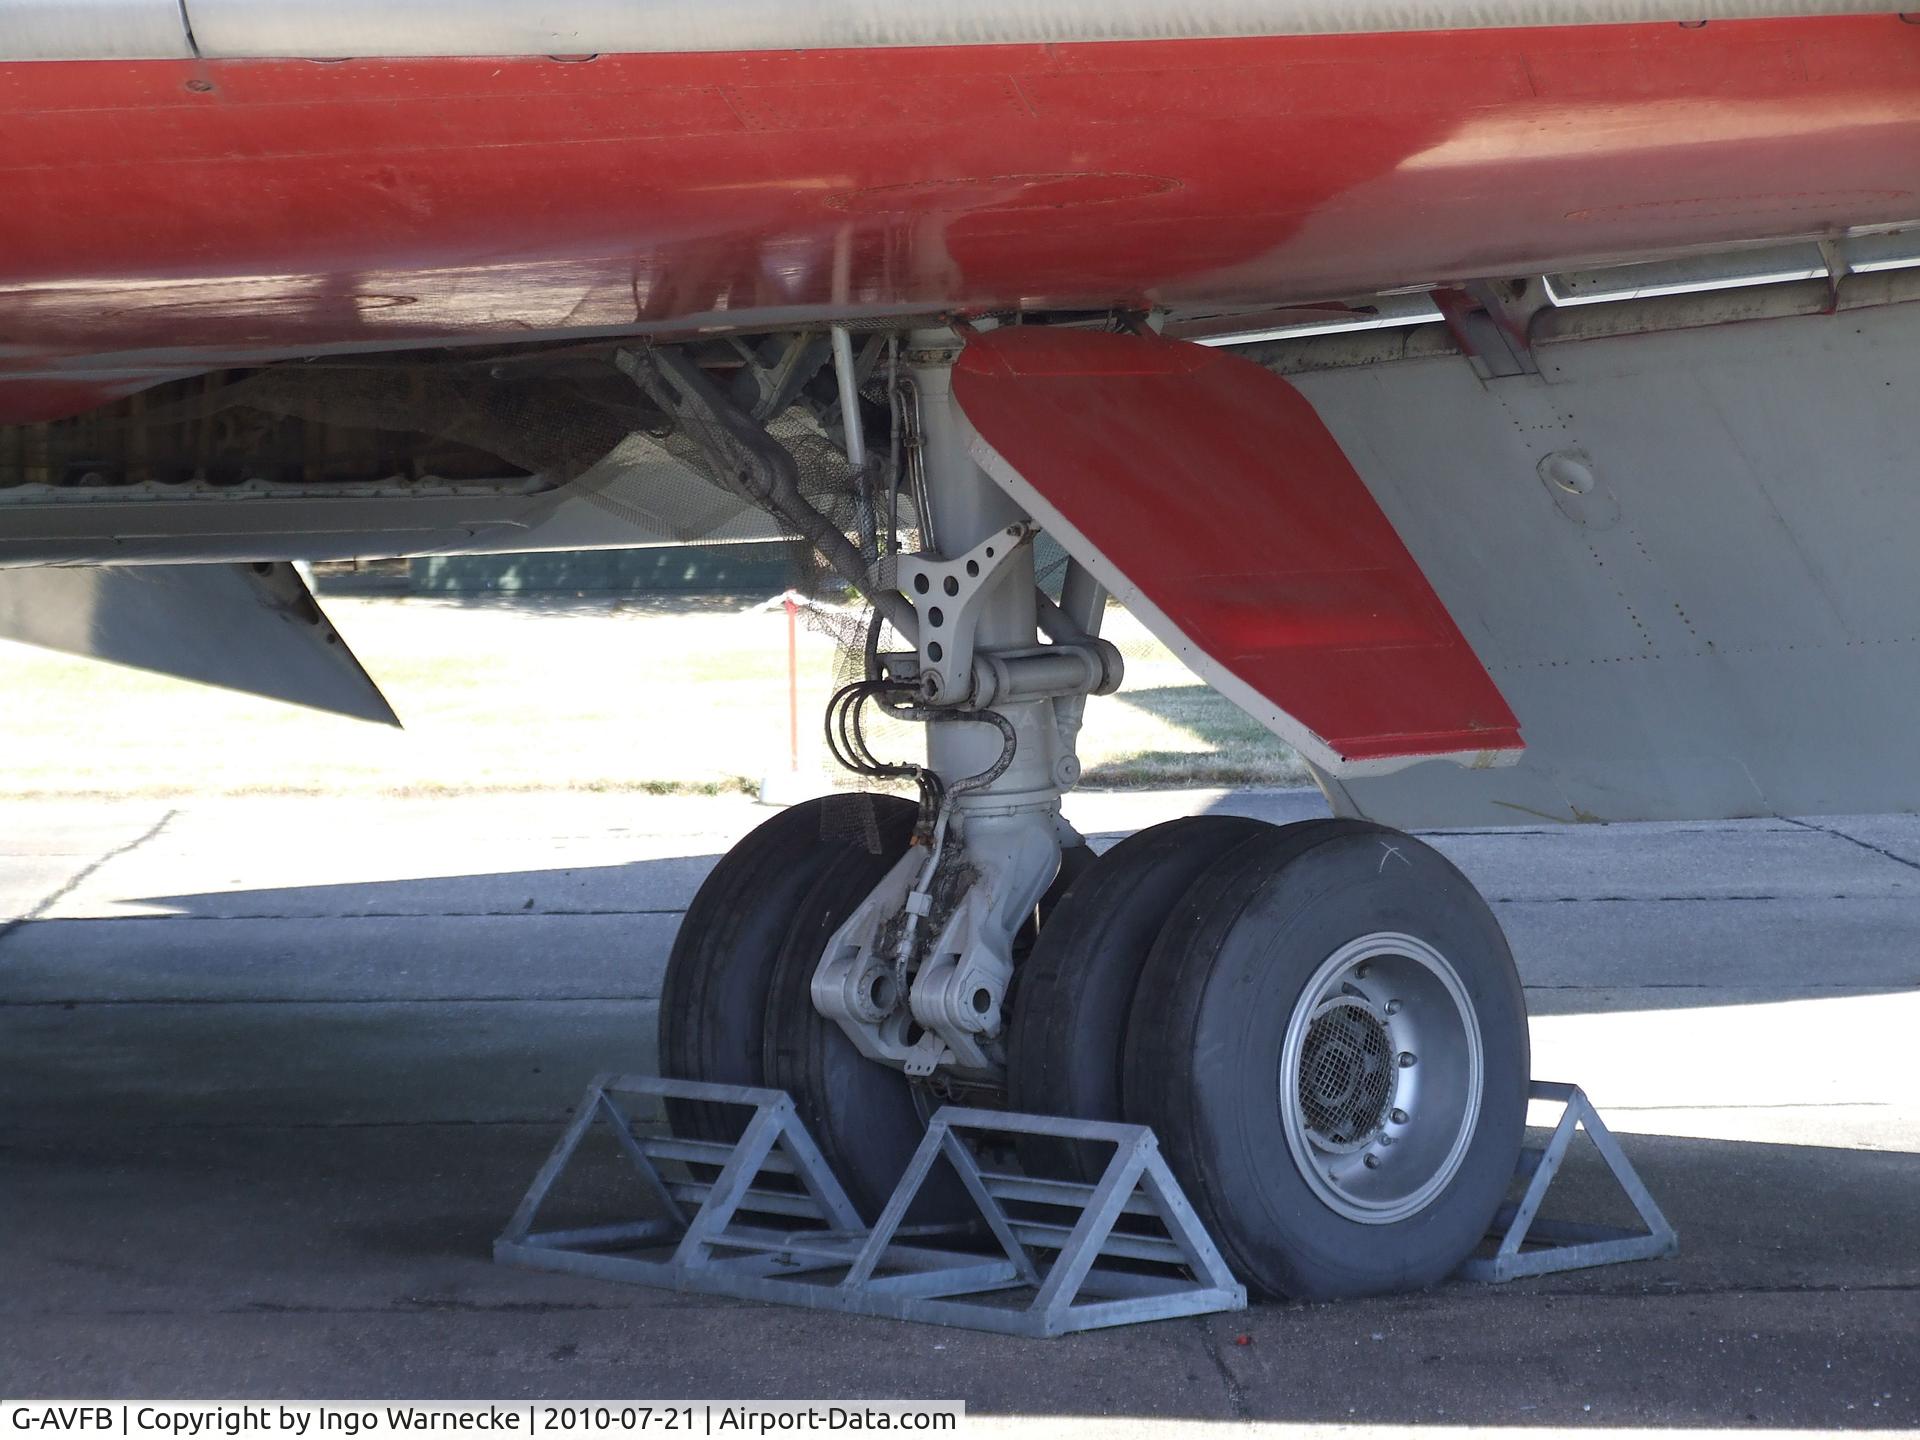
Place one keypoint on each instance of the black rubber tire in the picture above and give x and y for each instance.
(864, 1115)
(1210, 1018)
(1067, 1036)
(713, 999)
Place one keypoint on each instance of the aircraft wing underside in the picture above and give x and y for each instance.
(1670, 539)
(1679, 539)
(1684, 554)
(1494, 553)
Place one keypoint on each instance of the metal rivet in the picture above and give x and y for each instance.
(1406, 1059)
(1393, 1007)
(1373, 1161)
(1398, 1117)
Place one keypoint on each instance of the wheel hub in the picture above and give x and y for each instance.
(1347, 1075)
(1380, 1078)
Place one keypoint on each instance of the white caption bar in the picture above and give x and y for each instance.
(541, 1420)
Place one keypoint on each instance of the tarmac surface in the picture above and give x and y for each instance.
(273, 1073)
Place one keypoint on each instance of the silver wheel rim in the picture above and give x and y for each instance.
(1380, 1078)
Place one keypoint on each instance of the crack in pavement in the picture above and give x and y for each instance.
(649, 1299)
(1655, 899)
(75, 1002)
(85, 874)
(518, 913)
(1782, 1105)
(1686, 1292)
(522, 913)
(17, 1133)
(391, 1001)
(195, 1002)
(1879, 850)
(1236, 1394)
(1863, 987)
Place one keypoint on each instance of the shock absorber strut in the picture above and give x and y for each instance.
(919, 975)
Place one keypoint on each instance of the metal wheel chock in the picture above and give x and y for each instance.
(1566, 1244)
(763, 1218)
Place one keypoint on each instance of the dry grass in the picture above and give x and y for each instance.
(498, 694)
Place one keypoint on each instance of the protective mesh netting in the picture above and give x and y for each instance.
(579, 427)
(589, 436)
(1346, 1076)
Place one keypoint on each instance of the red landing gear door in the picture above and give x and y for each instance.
(1206, 494)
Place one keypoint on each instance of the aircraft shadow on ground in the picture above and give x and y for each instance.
(1574, 959)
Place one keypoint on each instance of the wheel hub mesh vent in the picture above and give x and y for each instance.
(1346, 1076)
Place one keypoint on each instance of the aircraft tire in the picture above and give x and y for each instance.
(1074, 989)
(713, 1000)
(1334, 1056)
(866, 1117)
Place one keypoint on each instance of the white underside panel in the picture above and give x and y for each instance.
(1726, 624)
(231, 29)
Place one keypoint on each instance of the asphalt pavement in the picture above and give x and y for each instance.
(273, 1073)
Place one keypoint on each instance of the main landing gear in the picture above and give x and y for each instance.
(1321, 1022)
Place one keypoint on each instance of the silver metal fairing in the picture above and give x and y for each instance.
(93, 30)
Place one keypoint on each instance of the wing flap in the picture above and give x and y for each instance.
(1208, 496)
(245, 627)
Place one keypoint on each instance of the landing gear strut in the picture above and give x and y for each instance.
(1321, 1021)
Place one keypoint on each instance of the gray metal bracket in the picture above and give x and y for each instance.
(1566, 1244)
(947, 596)
(1048, 1256)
